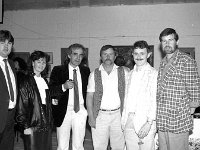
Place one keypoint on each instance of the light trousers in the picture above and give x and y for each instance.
(75, 122)
(171, 141)
(108, 126)
(132, 140)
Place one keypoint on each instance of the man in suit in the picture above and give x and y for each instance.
(8, 92)
(66, 115)
(178, 94)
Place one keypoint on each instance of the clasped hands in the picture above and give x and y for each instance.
(144, 130)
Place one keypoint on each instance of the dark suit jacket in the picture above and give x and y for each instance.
(59, 75)
(4, 96)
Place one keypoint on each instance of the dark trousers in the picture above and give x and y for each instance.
(38, 141)
(8, 135)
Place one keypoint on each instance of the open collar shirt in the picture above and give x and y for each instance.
(42, 86)
(110, 99)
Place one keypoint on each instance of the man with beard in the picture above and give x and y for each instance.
(178, 94)
(105, 99)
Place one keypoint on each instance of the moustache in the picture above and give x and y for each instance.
(167, 47)
(107, 60)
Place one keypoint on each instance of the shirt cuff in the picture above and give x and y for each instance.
(63, 89)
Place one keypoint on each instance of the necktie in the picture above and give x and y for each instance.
(76, 93)
(9, 80)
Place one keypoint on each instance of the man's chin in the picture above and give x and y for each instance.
(108, 63)
(168, 51)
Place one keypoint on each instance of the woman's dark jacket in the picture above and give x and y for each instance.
(30, 112)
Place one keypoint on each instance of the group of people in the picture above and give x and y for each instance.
(124, 107)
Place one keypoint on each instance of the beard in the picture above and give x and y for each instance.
(169, 49)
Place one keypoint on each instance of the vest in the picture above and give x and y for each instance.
(99, 89)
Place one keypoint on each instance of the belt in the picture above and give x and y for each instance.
(11, 109)
(110, 110)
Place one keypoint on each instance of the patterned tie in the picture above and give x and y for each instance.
(9, 80)
(76, 93)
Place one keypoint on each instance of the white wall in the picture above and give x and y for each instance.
(52, 29)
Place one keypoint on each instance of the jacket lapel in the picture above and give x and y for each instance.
(3, 80)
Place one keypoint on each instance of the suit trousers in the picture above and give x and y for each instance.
(171, 141)
(8, 135)
(75, 122)
(108, 126)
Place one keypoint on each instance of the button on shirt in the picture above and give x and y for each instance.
(71, 91)
(110, 99)
(2, 64)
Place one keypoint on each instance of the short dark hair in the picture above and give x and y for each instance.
(168, 31)
(36, 55)
(6, 35)
(141, 44)
(21, 62)
(76, 46)
(105, 47)
(120, 61)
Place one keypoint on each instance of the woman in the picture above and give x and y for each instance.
(34, 106)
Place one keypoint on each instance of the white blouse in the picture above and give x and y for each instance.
(42, 86)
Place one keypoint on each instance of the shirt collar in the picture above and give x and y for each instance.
(2, 58)
(37, 76)
(142, 68)
(101, 68)
(72, 68)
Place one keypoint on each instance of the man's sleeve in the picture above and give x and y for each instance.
(91, 83)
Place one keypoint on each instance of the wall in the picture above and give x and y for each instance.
(52, 29)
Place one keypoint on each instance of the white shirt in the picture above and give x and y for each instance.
(42, 86)
(140, 98)
(2, 64)
(110, 99)
(71, 91)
